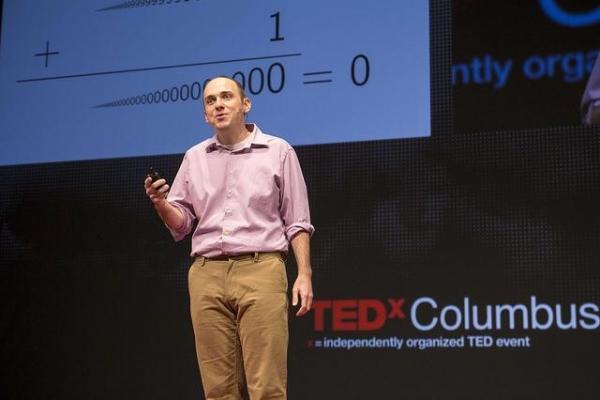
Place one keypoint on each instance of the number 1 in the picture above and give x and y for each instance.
(277, 33)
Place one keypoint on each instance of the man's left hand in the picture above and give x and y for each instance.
(303, 288)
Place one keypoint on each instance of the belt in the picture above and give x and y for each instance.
(246, 256)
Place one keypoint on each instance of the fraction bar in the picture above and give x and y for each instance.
(124, 71)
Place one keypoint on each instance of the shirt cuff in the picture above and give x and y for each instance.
(294, 229)
(186, 227)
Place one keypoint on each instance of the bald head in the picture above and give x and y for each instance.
(237, 84)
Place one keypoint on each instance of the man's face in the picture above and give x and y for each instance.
(224, 107)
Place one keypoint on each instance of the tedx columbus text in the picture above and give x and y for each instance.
(426, 314)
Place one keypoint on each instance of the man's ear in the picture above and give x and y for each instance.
(246, 105)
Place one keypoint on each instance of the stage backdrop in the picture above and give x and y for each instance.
(522, 64)
(463, 265)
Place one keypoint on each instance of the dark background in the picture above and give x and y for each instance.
(517, 30)
(94, 291)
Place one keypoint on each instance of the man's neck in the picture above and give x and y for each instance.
(233, 135)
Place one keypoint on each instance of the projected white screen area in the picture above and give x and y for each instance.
(107, 78)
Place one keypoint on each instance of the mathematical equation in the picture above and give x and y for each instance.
(154, 57)
(256, 81)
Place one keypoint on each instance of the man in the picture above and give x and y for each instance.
(247, 194)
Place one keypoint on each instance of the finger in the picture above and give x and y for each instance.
(147, 182)
(150, 191)
(164, 189)
(309, 302)
(303, 299)
(158, 183)
(301, 311)
(294, 297)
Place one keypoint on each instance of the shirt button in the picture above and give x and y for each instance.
(225, 232)
(228, 212)
(229, 193)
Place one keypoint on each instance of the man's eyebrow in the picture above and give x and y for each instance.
(220, 93)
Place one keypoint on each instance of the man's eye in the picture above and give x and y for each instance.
(210, 101)
(227, 96)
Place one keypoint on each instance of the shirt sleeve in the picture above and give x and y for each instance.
(180, 197)
(294, 208)
(591, 96)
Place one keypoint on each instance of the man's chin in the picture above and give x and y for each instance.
(221, 124)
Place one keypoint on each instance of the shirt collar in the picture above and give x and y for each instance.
(258, 140)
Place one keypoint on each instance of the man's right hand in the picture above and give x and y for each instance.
(157, 191)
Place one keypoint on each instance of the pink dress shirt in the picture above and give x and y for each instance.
(252, 198)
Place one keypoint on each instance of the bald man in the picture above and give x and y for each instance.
(245, 193)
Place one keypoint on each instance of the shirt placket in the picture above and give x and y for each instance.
(230, 181)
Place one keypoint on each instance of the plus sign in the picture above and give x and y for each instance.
(47, 53)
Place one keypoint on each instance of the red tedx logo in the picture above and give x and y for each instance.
(356, 315)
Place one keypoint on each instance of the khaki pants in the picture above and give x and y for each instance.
(239, 310)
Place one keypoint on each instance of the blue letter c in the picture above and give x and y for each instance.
(573, 20)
